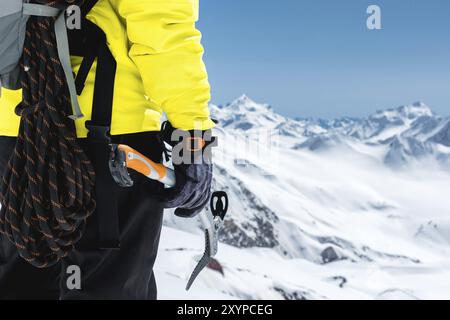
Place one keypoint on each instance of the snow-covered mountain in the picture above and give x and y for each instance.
(406, 134)
(350, 208)
(322, 209)
(244, 114)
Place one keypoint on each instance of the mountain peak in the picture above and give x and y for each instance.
(243, 100)
(245, 104)
(245, 114)
(416, 110)
(400, 114)
(420, 104)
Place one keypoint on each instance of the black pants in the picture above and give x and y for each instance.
(105, 274)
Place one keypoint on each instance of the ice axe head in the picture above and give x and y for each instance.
(118, 167)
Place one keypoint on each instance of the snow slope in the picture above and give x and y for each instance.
(340, 209)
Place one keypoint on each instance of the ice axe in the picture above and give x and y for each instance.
(123, 157)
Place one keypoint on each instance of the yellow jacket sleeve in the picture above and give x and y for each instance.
(166, 47)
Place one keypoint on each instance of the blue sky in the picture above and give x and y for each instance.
(317, 57)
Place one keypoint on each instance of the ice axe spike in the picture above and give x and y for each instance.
(212, 223)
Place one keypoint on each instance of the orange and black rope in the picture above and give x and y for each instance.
(47, 189)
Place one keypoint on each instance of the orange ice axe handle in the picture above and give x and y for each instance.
(124, 157)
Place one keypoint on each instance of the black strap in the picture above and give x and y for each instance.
(104, 85)
(91, 52)
(91, 43)
(99, 138)
(85, 43)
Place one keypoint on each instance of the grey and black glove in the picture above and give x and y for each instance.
(193, 179)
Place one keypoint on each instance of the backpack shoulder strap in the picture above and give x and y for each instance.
(102, 103)
(91, 44)
(40, 10)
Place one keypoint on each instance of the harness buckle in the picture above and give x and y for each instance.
(99, 134)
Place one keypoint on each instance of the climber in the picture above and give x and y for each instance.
(61, 209)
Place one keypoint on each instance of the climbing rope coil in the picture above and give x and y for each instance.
(47, 190)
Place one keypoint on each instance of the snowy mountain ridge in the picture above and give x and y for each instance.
(407, 133)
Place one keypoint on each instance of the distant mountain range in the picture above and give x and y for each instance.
(406, 134)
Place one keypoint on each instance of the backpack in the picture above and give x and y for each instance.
(13, 20)
(14, 15)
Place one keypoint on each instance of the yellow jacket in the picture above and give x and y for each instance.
(159, 68)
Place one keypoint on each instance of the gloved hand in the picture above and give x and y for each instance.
(193, 179)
